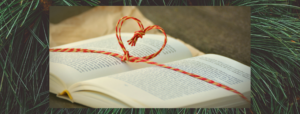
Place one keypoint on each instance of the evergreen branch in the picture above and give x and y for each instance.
(275, 46)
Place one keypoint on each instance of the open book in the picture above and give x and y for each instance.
(103, 81)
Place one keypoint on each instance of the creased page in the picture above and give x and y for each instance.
(73, 67)
(158, 87)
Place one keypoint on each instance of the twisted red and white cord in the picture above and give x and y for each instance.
(132, 41)
(137, 34)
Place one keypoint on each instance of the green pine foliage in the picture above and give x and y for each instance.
(275, 56)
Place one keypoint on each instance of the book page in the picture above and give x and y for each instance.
(164, 88)
(73, 67)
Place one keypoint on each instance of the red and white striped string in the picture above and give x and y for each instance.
(128, 57)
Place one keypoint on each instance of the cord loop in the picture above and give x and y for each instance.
(133, 40)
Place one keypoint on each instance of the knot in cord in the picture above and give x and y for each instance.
(126, 56)
(137, 34)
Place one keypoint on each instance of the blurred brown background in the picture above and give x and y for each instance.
(219, 30)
